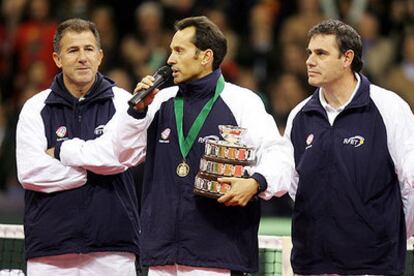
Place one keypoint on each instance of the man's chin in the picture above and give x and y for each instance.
(313, 82)
(86, 78)
(178, 80)
(83, 81)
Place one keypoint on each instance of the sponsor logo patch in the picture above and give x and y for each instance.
(355, 141)
(202, 140)
(61, 132)
(309, 140)
(165, 134)
(99, 130)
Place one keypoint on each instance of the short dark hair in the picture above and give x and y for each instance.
(75, 25)
(346, 38)
(207, 36)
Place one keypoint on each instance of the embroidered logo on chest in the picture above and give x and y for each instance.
(61, 133)
(202, 140)
(165, 134)
(99, 130)
(309, 141)
(355, 141)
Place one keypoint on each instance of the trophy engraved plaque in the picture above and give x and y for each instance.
(223, 158)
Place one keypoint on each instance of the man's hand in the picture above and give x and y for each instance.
(145, 83)
(51, 152)
(242, 190)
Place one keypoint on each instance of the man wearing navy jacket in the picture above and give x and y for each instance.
(354, 158)
(80, 214)
(186, 234)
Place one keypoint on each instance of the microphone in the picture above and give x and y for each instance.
(162, 76)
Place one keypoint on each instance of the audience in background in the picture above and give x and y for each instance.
(267, 47)
(33, 42)
(401, 77)
(103, 17)
(379, 51)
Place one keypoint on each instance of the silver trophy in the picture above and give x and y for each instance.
(223, 158)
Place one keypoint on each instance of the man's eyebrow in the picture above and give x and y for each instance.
(317, 50)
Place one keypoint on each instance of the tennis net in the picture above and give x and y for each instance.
(274, 254)
(12, 261)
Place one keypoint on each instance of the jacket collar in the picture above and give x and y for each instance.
(200, 88)
(101, 89)
(360, 99)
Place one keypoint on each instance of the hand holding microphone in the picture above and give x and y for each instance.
(149, 86)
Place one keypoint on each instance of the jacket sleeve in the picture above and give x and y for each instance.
(288, 130)
(399, 121)
(36, 170)
(131, 135)
(122, 144)
(293, 187)
(273, 152)
(98, 155)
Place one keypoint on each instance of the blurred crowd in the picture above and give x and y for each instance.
(267, 42)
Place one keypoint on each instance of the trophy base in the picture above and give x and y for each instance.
(208, 194)
(207, 185)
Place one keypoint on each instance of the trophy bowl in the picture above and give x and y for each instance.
(232, 134)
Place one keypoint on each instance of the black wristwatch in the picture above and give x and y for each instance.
(262, 187)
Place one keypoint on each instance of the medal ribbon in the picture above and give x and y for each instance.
(187, 142)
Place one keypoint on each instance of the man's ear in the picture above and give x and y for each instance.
(56, 59)
(100, 56)
(207, 57)
(348, 58)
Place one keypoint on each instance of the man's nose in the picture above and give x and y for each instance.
(82, 56)
(171, 60)
(309, 60)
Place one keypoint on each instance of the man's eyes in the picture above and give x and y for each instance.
(89, 49)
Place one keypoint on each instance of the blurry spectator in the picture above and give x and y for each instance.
(401, 13)
(121, 78)
(229, 67)
(133, 55)
(246, 78)
(150, 32)
(103, 17)
(3, 128)
(295, 28)
(35, 78)
(10, 16)
(74, 8)
(378, 51)
(145, 50)
(292, 60)
(8, 121)
(33, 42)
(347, 10)
(258, 51)
(2, 123)
(401, 77)
(285, 93)
(178, 9)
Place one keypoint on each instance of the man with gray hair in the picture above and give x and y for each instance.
(80, 215)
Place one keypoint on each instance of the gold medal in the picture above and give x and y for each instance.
(183, 169)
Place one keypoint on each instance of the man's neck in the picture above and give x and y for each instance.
(338, 93)
(78, 91)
